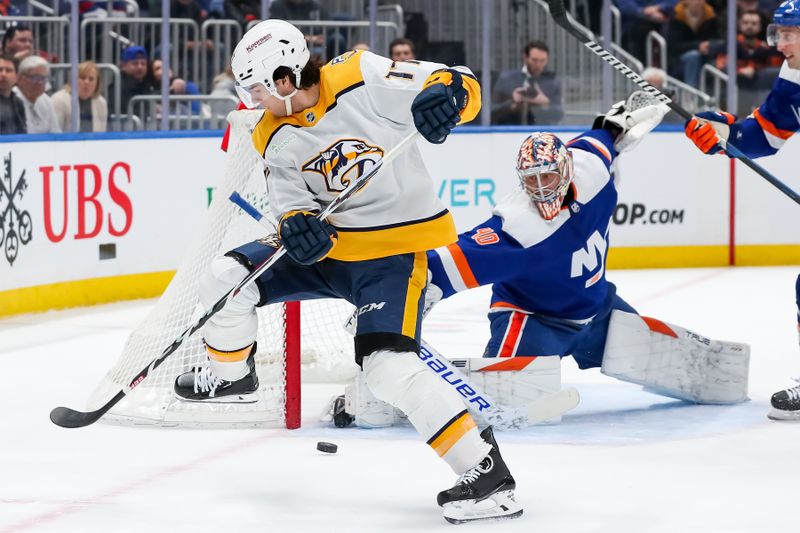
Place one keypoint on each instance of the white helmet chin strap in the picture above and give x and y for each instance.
(287, 101)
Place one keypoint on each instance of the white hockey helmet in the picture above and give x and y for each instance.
(545, 169)
(264, 48)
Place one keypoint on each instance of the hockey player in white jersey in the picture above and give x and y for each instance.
(544, 251)
(320, 129)
(762, 134)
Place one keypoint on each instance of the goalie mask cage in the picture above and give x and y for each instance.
(321, 351)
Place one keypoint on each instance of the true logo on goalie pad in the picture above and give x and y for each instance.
(452, 379)
(336, 162)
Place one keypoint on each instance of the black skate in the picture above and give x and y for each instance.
(202, 385)
(786, 404)
(483, 492)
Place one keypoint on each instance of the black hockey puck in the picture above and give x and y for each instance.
(327, 447)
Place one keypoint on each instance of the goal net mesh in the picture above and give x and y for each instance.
(326, 348)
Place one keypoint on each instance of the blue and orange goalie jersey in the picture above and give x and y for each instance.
(778, 118)
(554, 268)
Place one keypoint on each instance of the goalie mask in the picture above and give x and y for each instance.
(267, 46)
(544, 167)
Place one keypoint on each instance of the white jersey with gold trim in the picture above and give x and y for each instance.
(364, 109)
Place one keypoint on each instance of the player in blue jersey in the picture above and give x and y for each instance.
(544, 251)
(763, 133)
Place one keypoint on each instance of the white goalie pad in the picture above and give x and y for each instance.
(675, 362)
(530, 386)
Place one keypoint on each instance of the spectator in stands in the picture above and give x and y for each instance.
(176, 85)
(18, 42)
(136, 80)
(326, 43)
(34, 73)
(692, 29)
(12, 110)
(401, 49)
(658, 79)
(530, 95)
(243, 11)
(752, 54)
(640, 17)
(93, 108)
(223, 85)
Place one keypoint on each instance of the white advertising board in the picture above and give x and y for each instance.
(84, 209)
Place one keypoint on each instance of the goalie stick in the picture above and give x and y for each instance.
(71, 418)
(559, 13)
(483, 406)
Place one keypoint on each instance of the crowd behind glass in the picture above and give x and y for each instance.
(30, 102)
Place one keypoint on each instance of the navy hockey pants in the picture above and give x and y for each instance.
(515, 333)
(389, 292)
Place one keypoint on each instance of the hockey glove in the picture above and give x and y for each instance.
(306, 238)
(437, 108)
(630, 120)
(707, 128)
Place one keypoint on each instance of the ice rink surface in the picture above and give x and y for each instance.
(624, 460)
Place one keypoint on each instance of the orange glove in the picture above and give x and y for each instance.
(707, 128)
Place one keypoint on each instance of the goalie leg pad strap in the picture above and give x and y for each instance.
(435, 410)
(236, 324)
(674, 361)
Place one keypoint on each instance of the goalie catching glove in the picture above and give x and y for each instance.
(306, 238)
(437, 108)
(630, 120)
(706, 129)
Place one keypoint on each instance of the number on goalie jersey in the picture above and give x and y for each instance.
(544, 252)
(323, 128)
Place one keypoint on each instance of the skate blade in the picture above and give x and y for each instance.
(780, 414)
(230, 399)
(499, 506)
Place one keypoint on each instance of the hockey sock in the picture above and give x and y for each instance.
(229, 366)
(435, 410)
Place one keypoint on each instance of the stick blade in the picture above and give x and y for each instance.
(553, 406)
(70, 418)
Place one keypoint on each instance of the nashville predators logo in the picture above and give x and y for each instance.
(343, 161)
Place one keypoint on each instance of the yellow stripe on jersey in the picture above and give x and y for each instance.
(473, 104)
(416, 283)
(446, 437)
(336, 78)
(414, 236)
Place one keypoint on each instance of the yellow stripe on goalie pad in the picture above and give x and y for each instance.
(451, 432)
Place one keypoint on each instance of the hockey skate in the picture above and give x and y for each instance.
(485, 492)
(786, 404)
(201, 385)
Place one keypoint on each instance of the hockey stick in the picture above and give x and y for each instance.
(494, 413)
(562, 18)
(478, 402)
(70, 418)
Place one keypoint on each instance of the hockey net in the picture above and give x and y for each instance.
(325, 349)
